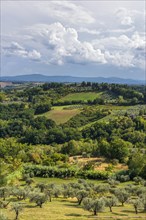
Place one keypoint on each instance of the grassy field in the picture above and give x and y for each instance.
(59, 181)
(116, 111)
(84, 96)
(61, 114)
(68, 209)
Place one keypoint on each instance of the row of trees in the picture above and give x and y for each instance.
(41, 130)
(53, 91)
(92, 197)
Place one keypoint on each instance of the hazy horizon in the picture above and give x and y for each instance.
(73, 38)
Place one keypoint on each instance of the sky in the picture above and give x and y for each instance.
(76, 38)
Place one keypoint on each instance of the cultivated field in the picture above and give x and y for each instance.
(68, 209)
(61, 114)
(62, 209)
(116, 111)
(84, 96)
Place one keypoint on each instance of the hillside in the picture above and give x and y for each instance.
(68, 79)
(61, 114)
(65, 148)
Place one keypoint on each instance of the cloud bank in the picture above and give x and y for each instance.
(65, 32)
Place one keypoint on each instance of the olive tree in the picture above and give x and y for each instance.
(3, 217)
(102, 189)
(49, 191)
(41, 186)
(137, 204)
(56, 192)
(143, 200)
(122, 195)
(67, 191)
(94, 205)
(4, 192)
(38, 198)
(4, 204)
(110, 202)
(17, 208)
(20, 193)
(80, 195)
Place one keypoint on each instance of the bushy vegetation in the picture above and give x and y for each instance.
(110, 124)
(87, 195)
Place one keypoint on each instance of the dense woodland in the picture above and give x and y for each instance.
(108, 121)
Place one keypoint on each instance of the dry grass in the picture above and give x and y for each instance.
(100, 163)
(68, 209)
(61, 209)
(61, 115)
(84, 96)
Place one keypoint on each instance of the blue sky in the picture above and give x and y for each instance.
(77, 38)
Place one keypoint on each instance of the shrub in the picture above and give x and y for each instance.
(54, 171)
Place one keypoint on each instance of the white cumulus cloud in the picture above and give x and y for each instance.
(69, 32)
(34, 55)
(68, 11)
(64, 45)
(15, 49)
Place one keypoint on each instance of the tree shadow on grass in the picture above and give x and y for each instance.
(74, 214)
(119, 214)
(30, 206)
(63, 200)
(74, 202)
(128, 211)
(75, 205)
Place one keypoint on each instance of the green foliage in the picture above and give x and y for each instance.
(3, 172)
(137, 204)
(38, 198)
(17, 208)
(80, 195)
(86, 116)
(82, 96)
(92, 196)
(122, 195)
(110, 202)
(103, 128)
(41, 108)
(137, 164)
(3, 217)
(114, 142)
(95, 205)
(54, 171)
(48, 171)
(10, 149)
(119, 149)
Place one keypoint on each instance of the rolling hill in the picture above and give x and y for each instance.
(68, 79)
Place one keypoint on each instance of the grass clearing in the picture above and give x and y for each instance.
(59, 181)
(84, 96)
(116, 112)
(68, 209)
(100, 163)
(61, 114)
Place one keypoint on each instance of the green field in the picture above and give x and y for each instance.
(61, 114)
(54, 170)
(59, 181)
(116, 112)
(68, 209)
(83, 96)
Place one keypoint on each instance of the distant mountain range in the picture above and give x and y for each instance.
(68, 79)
